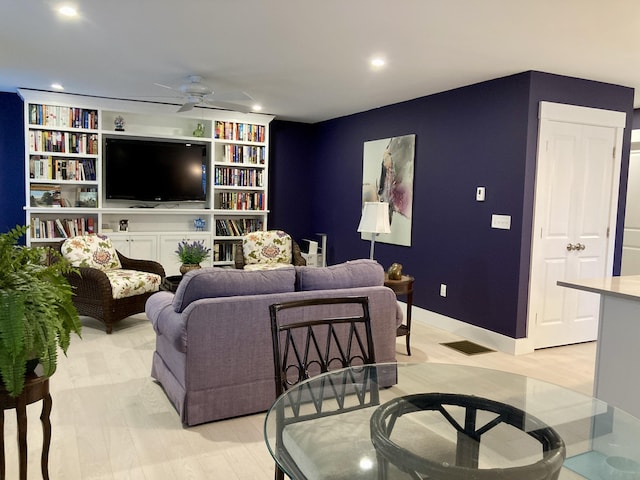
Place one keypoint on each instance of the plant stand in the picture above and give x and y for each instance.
(35, 388)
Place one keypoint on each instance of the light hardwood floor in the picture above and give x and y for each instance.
(110, 420)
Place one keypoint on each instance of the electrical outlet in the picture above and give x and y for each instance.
(443, 290)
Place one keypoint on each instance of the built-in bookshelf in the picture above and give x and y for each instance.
(64, 164)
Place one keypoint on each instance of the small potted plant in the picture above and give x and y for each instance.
(191, 254)
(37, 314)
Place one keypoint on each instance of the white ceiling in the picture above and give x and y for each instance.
(308, 60)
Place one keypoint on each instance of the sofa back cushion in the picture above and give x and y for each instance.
(94, 251)
(354, 273)
(228, 282)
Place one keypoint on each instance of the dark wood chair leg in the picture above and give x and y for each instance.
(46, 434)
(21, 415)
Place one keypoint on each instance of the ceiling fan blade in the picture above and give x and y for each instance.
(164, 86)
(187, 106)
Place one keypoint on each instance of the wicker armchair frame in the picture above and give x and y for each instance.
(296, 255)
(93, 296)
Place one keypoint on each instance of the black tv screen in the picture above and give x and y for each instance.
(156, 171)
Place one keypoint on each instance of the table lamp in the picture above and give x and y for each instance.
(374, 220)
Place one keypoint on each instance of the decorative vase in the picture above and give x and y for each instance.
(186, 267)
(395, 272)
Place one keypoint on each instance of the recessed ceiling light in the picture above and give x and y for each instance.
(68, 11)
(257, 107)
(57, 86)
(377, 62)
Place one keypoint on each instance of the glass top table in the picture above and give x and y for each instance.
(431, 420)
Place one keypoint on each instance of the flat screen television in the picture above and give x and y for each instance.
(147, 170)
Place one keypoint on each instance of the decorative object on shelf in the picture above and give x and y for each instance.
(199, 224)
(124, 225)
(191, 254)
(37, 314)
(395, 271)
(374, 220)
(199, 131)
(119, 123)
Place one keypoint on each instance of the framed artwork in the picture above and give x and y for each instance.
(387, 176)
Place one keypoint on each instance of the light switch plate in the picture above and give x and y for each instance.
(502, 222)
(480, 194)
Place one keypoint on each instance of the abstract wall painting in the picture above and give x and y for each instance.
(387, 176)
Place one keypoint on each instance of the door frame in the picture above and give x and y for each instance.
(549, 111)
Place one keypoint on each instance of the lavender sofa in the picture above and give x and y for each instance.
(213, 352)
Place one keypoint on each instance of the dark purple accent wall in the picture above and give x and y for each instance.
(290, 182)
(479, 135)
(12, 179)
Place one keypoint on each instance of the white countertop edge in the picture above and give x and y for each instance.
(624, 286)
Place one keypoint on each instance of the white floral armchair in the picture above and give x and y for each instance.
(109, 286)
(266, 250)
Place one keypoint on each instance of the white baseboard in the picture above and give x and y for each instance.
(482, 336)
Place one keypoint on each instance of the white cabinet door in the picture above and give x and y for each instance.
(141, 247)
(169, 245)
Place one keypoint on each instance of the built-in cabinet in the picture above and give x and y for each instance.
(64, 164)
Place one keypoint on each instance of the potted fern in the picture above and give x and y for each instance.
(37, 314)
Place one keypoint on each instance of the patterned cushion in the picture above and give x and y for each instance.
(94, 251)
(266, 266)
(127, 283)
(272, 246)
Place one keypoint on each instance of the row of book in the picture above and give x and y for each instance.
(229, 227)
(223, 252)
(44, 195)
(63, 142)
(65, 117)
(245, 132)
(50, 168)
(239, 177)
(243, 154)
(61, 227)
(241, 200)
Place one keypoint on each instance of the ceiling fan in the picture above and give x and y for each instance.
(194, 92)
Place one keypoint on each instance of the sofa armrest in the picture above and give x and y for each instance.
(159, 305)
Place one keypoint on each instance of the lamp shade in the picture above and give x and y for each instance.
(375, 218)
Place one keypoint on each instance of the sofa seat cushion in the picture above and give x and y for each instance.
(215, 282)
(272, 246)
(128, 283)
(354, 273)
(93, 251)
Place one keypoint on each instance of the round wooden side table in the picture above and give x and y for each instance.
(35, 388)
(404, 286)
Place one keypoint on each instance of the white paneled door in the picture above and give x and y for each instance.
(574, 220)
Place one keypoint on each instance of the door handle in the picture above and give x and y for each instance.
(577, 246)
(570, 247)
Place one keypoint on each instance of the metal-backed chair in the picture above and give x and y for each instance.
(316, 336)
